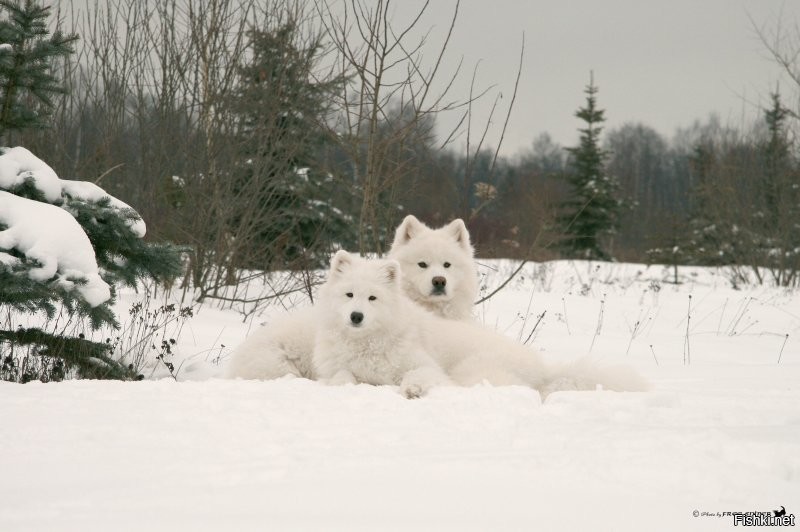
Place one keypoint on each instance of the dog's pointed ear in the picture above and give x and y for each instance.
(458, 230)
(392, 271)
(408, 229)
(341, 261)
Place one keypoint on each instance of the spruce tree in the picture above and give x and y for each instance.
(64, 245)
(765, 234)
(776, 230)
(777, 161)
(592, 210)
(27, 54)
(279, 107)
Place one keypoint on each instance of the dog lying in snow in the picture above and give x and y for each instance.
(438, 272)
(378, 334)
(369, 331)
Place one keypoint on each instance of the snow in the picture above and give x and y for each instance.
(51, 236)
(719, 434)
(87, 191)
(8, 260)
(18, 164)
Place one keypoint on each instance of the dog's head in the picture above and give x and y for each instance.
(436, 263)
(361, 295)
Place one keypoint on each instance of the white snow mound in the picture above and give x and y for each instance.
(18, 164)
(53, 237)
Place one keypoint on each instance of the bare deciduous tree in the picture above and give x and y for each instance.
(156, 111)
(393, 81)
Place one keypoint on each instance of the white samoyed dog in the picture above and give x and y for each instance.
(438, 267)
(370, 332)
(438, 273)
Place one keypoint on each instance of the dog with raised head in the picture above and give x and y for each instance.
(438, 267)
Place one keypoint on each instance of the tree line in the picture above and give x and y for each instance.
(263, 135)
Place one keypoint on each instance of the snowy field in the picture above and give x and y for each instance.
(719, 431)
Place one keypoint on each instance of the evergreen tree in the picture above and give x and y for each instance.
(279, 107)
(27, 55)
(745, 203)
(593, 208)
(776, 159)
(778, 233)
(64, 245)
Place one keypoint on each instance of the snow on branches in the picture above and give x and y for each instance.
(18, 165)
(51, 237)
(46, 234)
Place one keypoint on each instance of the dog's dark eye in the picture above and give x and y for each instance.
(372, 298)
(349, 294)
(422, 264)
(446, 264)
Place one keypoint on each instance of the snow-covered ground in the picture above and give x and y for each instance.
(719, 432)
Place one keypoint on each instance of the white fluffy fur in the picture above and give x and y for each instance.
(382, 346)
(284, 346)
(446, 253)
(400, 343)
(281, 348)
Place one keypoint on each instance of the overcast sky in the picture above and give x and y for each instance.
(663, 63)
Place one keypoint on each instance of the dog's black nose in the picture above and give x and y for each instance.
(439, 282)
(356, 317)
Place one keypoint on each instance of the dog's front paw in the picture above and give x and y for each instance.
(411, 390)
(418, 382)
